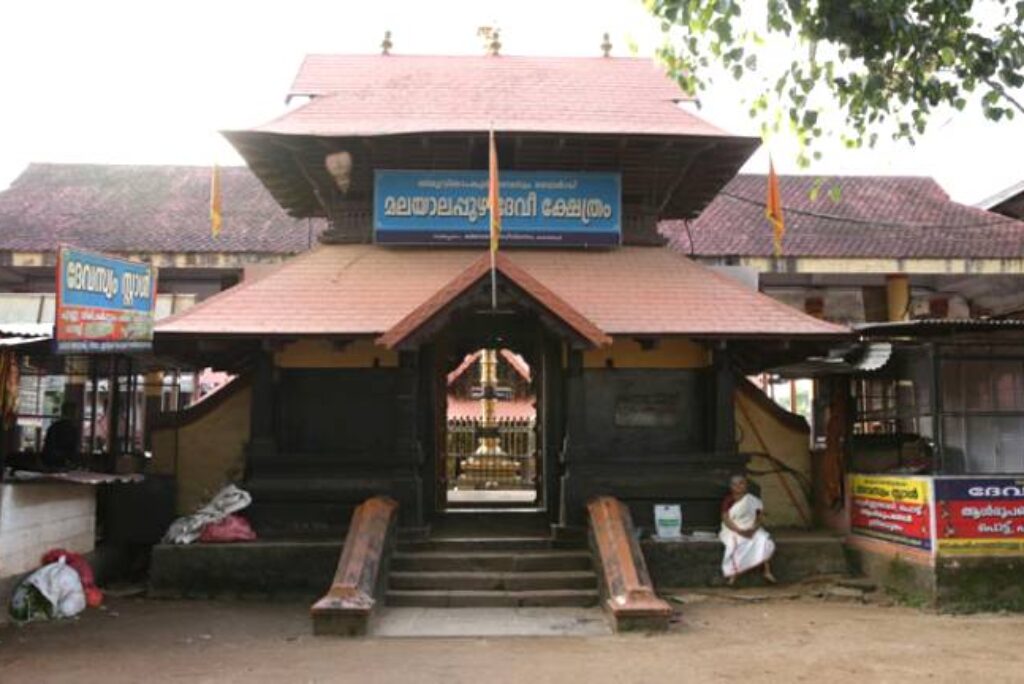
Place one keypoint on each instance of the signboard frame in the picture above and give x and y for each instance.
(540, 208)
(106, 314)
(893, 508)
(979, 515)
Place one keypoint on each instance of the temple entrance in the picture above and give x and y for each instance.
(492, 457)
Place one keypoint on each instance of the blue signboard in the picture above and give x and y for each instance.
(104, 304)
(538, 208)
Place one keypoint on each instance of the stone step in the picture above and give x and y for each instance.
(492, 561)
(493, 581)
(483, 544)
(493, 599)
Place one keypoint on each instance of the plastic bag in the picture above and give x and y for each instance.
(93, 596)
(60, 585)
(233, 528)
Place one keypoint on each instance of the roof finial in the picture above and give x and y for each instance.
(606, 46)
(494, 47)
(386, 45)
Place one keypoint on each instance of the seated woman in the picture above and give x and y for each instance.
(747, 544)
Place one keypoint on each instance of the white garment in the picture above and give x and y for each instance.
(187, 529)
(742, 553)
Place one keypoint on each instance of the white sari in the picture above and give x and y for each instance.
(741, 553)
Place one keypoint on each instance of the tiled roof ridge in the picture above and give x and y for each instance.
(470, 276)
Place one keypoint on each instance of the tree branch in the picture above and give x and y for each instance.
(1001, 90)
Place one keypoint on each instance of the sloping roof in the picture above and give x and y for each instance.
(514, 360)
(366, 290)
(511, 409)
(875, 216)
(471, 276)
(369, 95)
(1009, 202)
(117, 208)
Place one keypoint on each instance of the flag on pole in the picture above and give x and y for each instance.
(215, 201)
(493, 198)
(773, 209)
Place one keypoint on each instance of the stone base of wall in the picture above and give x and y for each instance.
(37, 517)
(980, 584)
(950, 584)
(798, 555)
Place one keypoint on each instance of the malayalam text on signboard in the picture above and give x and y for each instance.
(979, 516)
(104, 304)
(541, 208)
(894, 509)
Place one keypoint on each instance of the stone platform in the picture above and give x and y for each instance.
(799, 554)
(302, 569)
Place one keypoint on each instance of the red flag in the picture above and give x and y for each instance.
(773, 209)
(493, 198)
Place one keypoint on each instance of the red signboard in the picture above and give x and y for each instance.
(979, 516)
(891, 508)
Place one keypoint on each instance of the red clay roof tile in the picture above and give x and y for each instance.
(895, 217)
(473, 274)
(143, 208)
(366, 95)
(367, 290)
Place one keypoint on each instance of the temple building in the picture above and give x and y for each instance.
(635, 354)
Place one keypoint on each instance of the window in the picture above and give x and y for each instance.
(983, 416)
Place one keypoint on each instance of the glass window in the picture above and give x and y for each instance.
(983, 416)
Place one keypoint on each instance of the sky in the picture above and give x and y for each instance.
(114, 81)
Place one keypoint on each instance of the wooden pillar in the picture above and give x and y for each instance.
(152, 390)
(573, 457)
(897, 296)
(76, 369)
(551, 417)
(407, 432)
(724, 420)
(262, 442)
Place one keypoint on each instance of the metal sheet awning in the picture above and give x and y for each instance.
(847, 360)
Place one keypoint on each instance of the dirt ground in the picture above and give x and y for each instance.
(718, 638)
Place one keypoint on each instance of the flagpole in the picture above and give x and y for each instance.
(495, 206)
(494, 284)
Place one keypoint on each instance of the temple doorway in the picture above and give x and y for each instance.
(492, 457)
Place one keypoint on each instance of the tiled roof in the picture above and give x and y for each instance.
(875, 216)
(469, 409)
(368, 95)
(366, 290)
(144, 209)
(471, 276)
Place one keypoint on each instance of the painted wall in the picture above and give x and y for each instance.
(763, 427)
(207, 449)
(667, 352)
(319, 353)
(37, 517)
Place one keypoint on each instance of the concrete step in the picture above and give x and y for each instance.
(492, 581)
(483, 544)
(493, 599)
(492, 561)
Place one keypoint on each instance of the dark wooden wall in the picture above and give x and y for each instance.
(648, 436)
